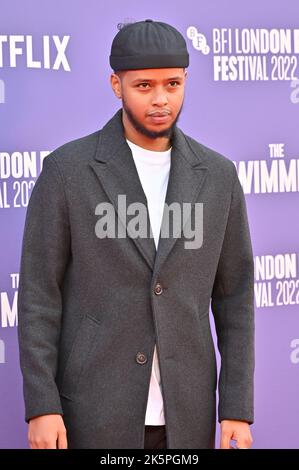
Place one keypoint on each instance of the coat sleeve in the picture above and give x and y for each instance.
(232, 306)
(45, 253)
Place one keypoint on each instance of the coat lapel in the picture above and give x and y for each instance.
(186, 177)
(115, 168)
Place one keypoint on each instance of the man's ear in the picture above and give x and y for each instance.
(116, 84)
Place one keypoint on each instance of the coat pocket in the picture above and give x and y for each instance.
(79, 355)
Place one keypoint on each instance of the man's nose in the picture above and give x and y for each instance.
(160, 98)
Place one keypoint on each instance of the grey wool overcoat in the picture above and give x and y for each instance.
(91, 309)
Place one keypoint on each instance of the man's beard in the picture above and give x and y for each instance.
(143, 130)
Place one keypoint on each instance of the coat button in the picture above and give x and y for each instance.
(158, 289)
(141, 358)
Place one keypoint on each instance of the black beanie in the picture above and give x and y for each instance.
(148, 44)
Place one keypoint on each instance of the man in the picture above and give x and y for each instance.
(115, 342)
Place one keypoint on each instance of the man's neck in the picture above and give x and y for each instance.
(160, 144)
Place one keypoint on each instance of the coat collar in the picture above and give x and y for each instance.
(115, 168)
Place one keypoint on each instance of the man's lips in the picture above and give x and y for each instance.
(159, 113)
(159, 116)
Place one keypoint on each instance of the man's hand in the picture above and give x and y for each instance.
(238, 431)
(47, 432)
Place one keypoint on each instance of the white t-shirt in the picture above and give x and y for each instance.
(153, 171)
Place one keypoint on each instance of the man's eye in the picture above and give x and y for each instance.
(141, 85)
(176, 83)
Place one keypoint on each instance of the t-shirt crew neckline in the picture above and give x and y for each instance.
(150, 156)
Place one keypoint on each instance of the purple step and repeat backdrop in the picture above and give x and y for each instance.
(242, 99)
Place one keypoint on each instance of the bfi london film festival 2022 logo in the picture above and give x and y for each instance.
(252, 54)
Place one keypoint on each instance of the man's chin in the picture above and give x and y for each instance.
(154, 133)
